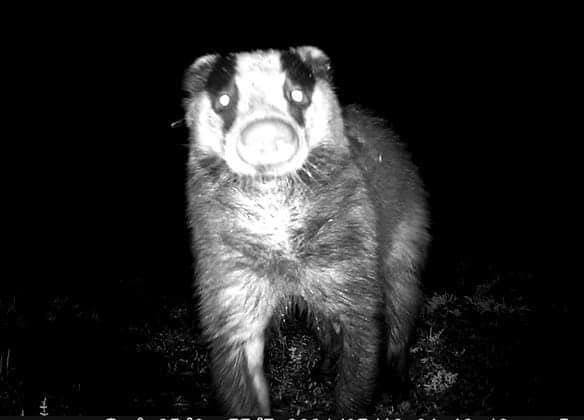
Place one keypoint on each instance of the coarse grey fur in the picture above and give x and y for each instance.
(341, 232)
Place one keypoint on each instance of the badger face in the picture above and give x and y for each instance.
(262, 112)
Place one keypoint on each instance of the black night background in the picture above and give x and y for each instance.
(98, 317)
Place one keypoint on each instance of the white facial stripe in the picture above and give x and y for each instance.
(323, 118)
(260, 81)
(262, 61)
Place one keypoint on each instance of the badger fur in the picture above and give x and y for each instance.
(294, 202)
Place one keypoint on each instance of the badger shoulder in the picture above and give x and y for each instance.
(392, 179)
(376, 148)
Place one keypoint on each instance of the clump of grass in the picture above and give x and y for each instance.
(44, 407)
(465, 349)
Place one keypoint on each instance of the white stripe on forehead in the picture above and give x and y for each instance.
(259, 61)
(260, 80)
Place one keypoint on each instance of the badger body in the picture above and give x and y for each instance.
(295, 203)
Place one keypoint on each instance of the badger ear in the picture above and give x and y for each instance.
(197, 74)
(316, 59)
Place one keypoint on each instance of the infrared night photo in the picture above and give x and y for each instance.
(288, 225)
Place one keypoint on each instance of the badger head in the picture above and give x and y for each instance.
(262, 112)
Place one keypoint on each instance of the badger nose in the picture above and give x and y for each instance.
(267, 142)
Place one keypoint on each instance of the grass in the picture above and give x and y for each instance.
(470, 354)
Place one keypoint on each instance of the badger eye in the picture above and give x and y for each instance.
(224, 100)
(297, 95)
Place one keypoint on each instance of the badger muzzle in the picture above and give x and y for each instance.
(267, 143)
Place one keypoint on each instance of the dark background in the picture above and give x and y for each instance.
(471, 100)
(474, 99)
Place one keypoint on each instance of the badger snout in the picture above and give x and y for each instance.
(267, 142)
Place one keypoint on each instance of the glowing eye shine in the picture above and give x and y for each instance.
(224, 100)
(297, 95)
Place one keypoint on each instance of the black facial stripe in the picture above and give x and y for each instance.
(228, 113)
(221, 75)
(195, 79)
(298, 72)
(220, 81)
(299, 75)
(297, 112)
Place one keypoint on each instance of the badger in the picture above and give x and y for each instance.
(294, 202)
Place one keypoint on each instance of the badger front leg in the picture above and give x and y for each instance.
(352, 305)
(234, 320)
(402, 306)
(239, 378)
(358, 365)
(403, 295)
